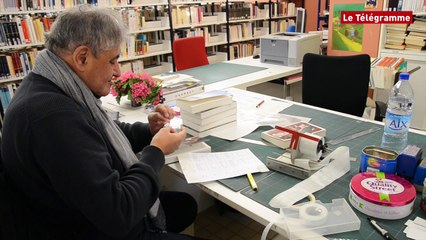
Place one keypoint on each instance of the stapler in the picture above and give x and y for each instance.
(302, 158)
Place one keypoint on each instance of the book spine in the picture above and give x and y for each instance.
(183, 93)
(16, 33)
(20, 30)
(3, 69)
(10, 66)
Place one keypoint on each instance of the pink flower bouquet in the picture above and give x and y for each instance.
(139, 88)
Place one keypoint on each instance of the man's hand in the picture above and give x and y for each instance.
(161, 116)
(168, 140)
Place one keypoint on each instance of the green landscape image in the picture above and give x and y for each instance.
(347, 37)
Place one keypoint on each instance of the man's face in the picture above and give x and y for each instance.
(100, 70)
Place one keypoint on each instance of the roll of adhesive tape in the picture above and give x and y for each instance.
(313, 214)
(310, 148)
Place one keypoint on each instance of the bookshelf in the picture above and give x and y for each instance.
(199, 18)
(232, 29)
(414, 59)
(146, 48)
(250, 20)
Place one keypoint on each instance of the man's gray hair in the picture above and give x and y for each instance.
(100, 29)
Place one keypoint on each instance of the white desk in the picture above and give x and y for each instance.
(272, 72)
(243, 204)
(236, 200)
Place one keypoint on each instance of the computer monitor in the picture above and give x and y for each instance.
(300, 20)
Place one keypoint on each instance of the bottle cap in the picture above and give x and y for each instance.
(404, 76)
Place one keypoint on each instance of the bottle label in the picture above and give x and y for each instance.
(397, 123)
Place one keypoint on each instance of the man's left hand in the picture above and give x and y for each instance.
(159, 117)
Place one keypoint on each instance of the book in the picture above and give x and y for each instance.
(10, 66)
(397, 47)
(184, 92)
(282, 138)
(294, 78)
(204, 101)
(210, 125)
(211, 112)
(212, 130)
(177, 86)
(216, 117)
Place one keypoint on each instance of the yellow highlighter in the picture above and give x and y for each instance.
(252, 181)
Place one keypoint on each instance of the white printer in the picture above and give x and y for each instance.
(288, 48)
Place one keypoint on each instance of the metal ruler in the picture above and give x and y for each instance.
(353, 135)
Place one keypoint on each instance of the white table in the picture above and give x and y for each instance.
(272, 72)
(236, 200)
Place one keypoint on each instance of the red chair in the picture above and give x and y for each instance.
(189, 52)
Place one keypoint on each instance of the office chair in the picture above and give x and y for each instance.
(189, 52)
(338, 83)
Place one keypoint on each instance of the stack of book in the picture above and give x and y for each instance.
(282, 138)
(395, 36)
(383, 70)
(416, 38)
(177, 86)
(205, 113)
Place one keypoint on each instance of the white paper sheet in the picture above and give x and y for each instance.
(203, 167)
(233, 133)
(249, 117)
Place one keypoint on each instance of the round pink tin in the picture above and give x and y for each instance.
(382, 195)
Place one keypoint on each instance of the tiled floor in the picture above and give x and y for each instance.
(222, 223)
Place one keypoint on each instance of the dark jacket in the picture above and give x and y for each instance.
(69, 181)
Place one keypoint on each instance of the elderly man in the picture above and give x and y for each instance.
(70, 171)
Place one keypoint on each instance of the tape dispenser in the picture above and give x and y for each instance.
(303, 157)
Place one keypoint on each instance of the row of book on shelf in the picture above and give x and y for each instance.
(6, 93)
(407, 37)
(24, 30)
(246, 10)
(383, 70)
(209, 34)
(194, 14)
(239, 50)
(17, 63)
(407, 5)
(31, 5)
(143, 43)
(280, 25)
(248, 30)
(143, 18)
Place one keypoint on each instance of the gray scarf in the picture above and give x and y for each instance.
(50, 66)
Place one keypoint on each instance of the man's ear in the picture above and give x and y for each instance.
(80, 57)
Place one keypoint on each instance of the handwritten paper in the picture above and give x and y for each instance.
(204, 167)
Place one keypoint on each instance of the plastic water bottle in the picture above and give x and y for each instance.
(398, 114)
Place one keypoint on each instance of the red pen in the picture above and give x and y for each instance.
(260, 104)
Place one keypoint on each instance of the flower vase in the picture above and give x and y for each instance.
(133, 103)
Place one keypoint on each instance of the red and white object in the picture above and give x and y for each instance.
(381, 195)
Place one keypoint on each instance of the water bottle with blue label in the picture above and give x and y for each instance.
(398, 114)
